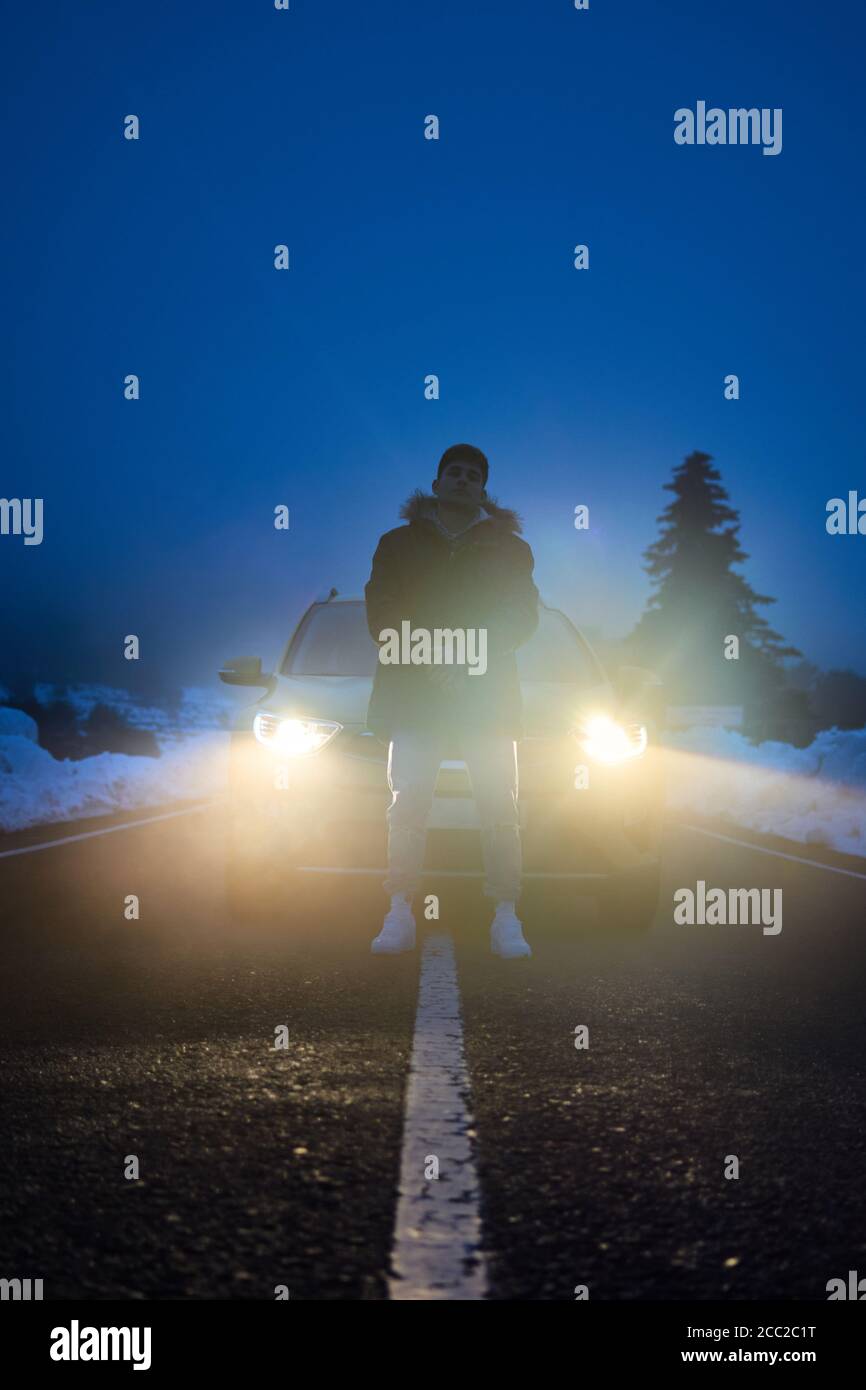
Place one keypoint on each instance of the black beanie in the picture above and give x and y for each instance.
(464, 453)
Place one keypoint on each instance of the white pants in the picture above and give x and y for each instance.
(413, 764)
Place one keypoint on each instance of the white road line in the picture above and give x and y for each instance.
(107, 830)
(436, 1250)
(761, 849)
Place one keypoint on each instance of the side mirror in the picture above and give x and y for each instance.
(641, 693)
(245, 670)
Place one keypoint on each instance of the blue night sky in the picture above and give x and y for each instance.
(409, 257)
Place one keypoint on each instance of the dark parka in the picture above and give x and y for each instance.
(480, 579)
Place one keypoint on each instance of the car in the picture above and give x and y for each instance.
(309, 788)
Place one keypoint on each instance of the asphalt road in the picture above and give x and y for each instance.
(260, 1167)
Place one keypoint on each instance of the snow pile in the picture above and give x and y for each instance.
(36, 788)
(816, 795)
(14, 723)
(84, 698)
(195, 708)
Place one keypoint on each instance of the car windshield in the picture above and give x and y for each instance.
(333, 641)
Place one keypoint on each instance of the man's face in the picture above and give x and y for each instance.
(460, 485)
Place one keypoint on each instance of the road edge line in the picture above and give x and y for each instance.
(762, 849)
(106, 830)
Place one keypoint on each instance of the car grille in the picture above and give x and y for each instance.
(453, 780)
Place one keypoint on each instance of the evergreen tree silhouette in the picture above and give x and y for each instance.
(700, 601)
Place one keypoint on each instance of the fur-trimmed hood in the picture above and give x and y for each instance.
(421, 506)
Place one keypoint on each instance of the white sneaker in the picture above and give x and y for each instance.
(398, 930)
(506, 934)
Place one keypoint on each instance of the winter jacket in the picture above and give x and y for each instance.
(481, 579)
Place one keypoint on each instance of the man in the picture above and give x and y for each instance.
(458, 566)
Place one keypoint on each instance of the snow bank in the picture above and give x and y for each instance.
(816, 795)
(14, 723)
(36, 788)
(193, 709)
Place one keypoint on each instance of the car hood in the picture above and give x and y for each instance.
(550, 708)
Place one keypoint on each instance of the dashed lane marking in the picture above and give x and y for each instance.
(436, 1251)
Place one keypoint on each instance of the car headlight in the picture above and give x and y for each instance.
(606, 741)
(294, 737)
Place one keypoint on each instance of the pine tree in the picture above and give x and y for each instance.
(700, 601)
